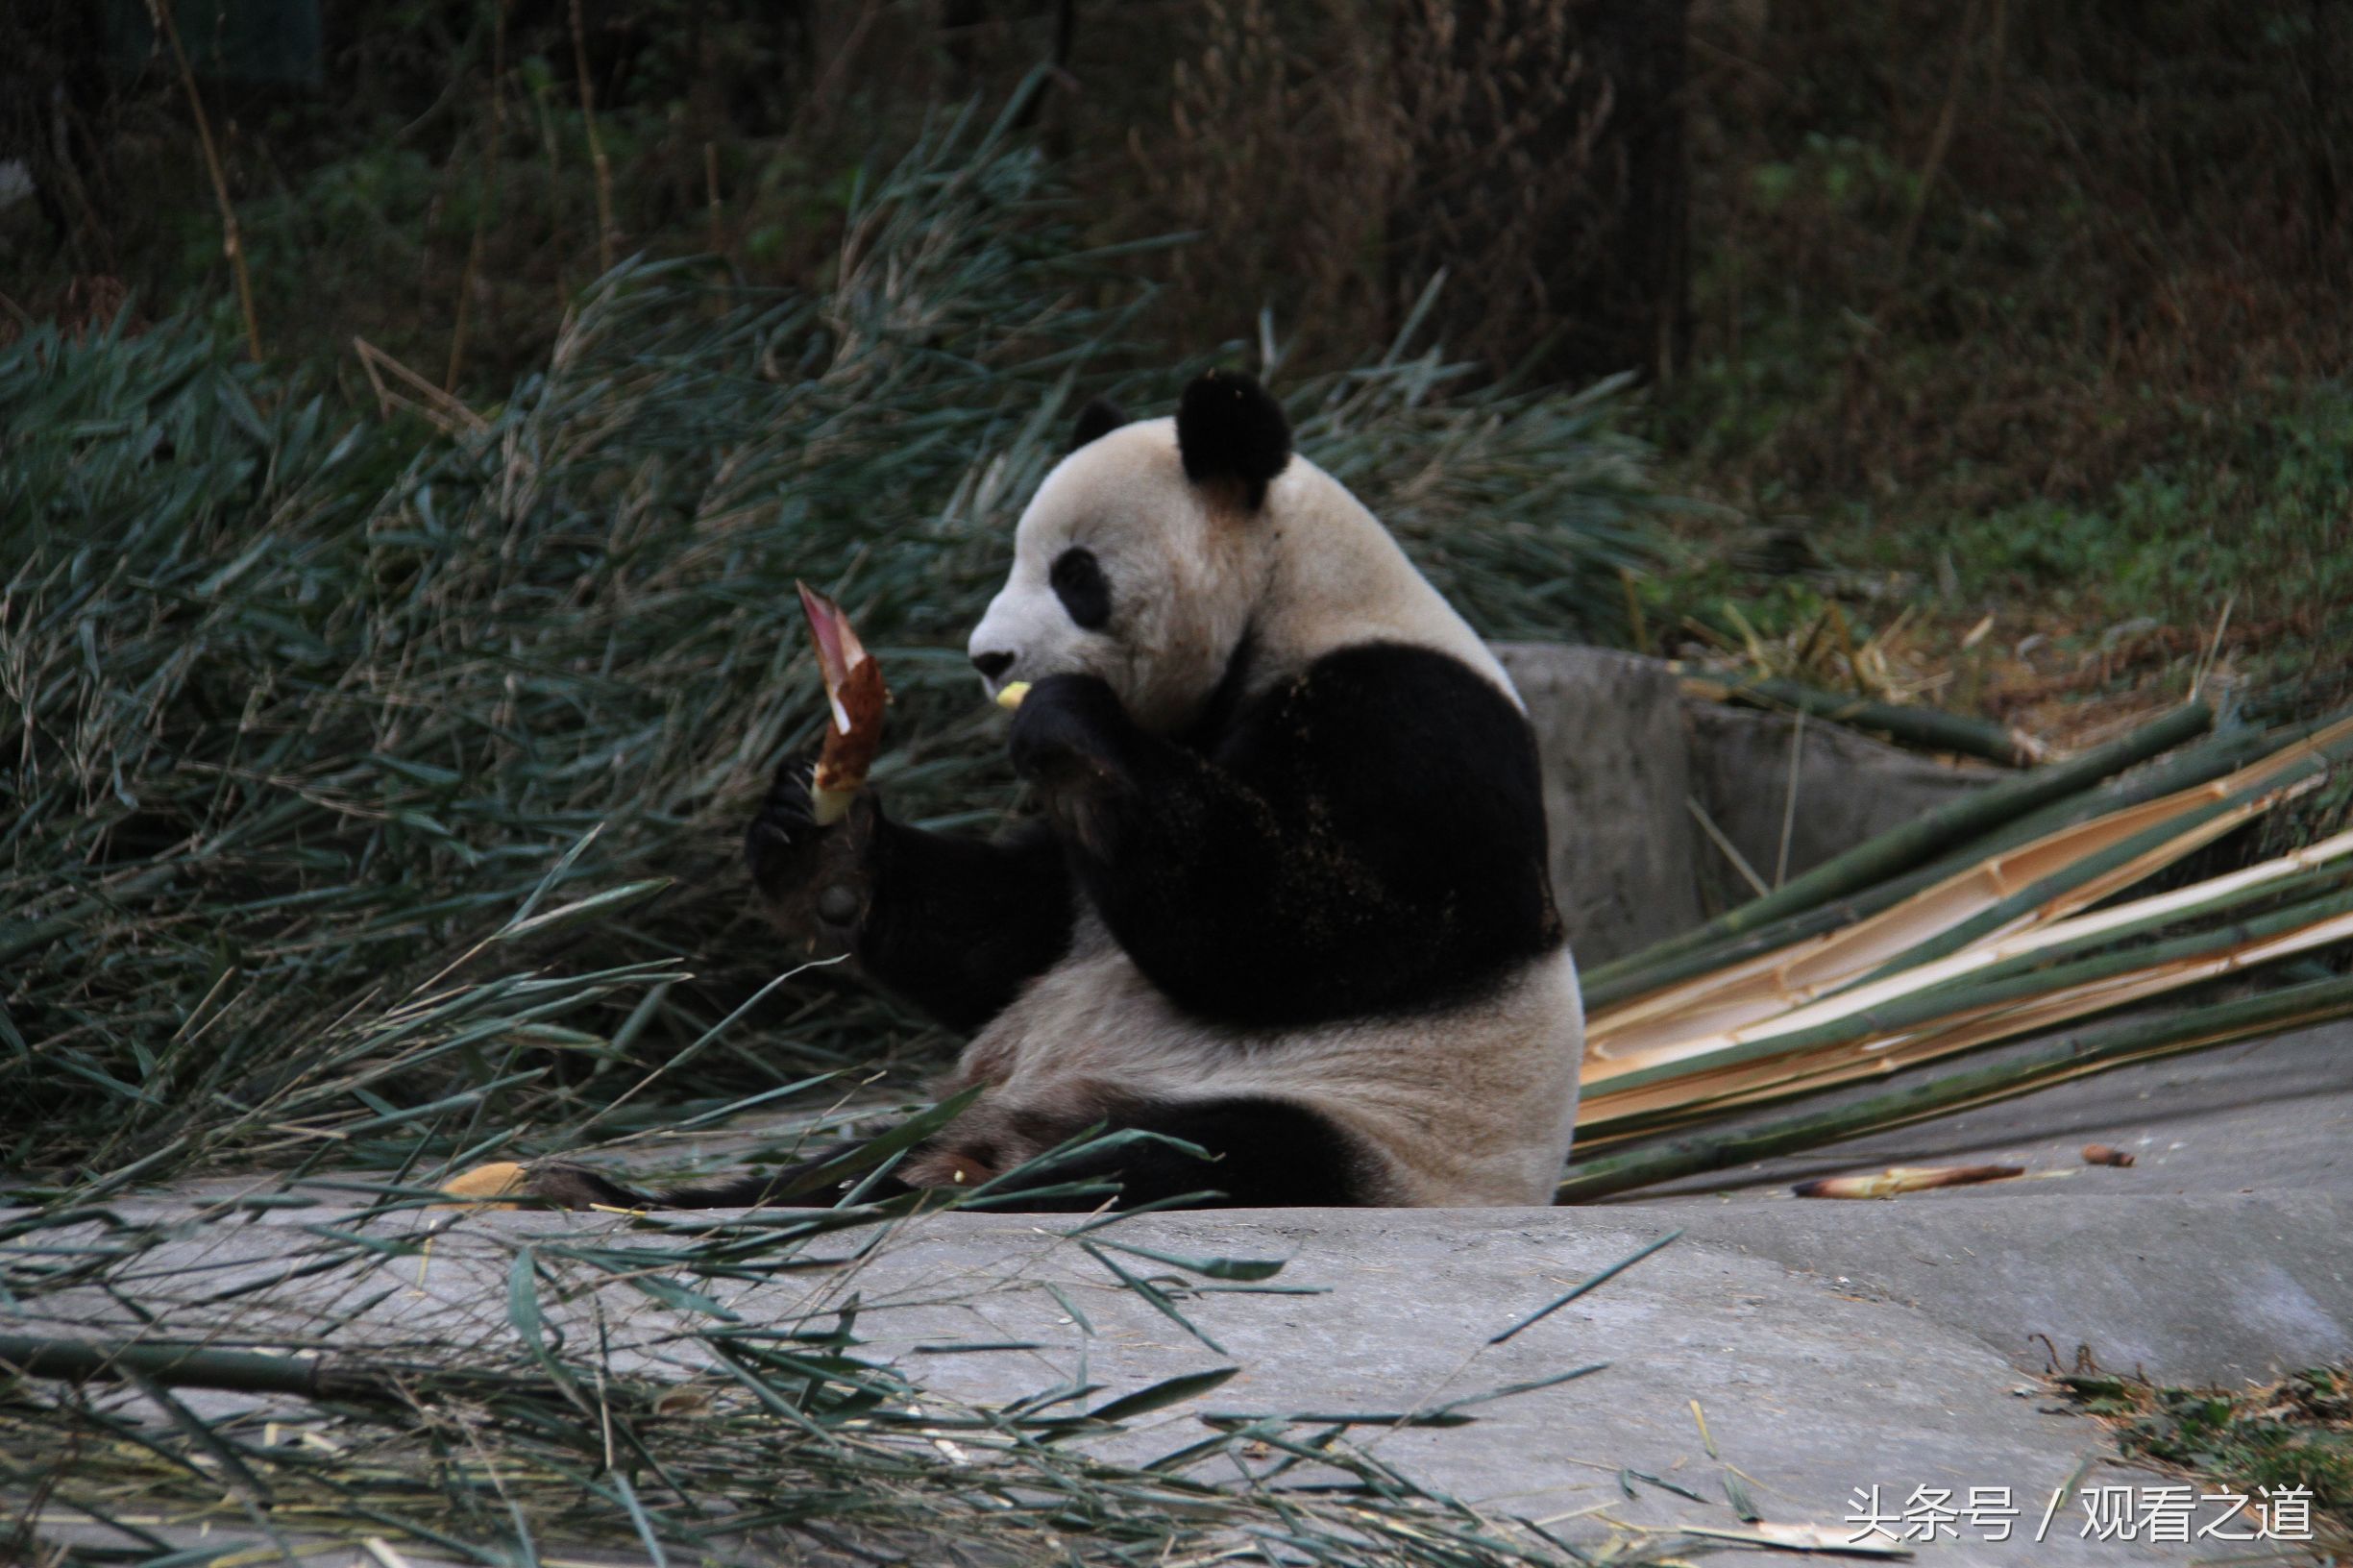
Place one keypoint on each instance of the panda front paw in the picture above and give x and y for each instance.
(1071, 731)
(813, 879)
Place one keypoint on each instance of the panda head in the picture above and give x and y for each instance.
(1143, 553)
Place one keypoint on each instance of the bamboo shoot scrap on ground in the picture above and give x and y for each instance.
(1994, 952)
(1896, 1179)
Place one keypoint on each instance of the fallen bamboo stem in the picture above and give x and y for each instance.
(2061, 873)
(2161, 845)
(195, 1366)
(2220, 1023)
(1696, 953)
(1972, 994)
(1904, 847)
(1931, 728)
(2302, 876)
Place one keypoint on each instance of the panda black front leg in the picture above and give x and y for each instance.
(1074, 742)
(955, 925)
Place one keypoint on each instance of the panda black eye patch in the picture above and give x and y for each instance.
(1079, 583)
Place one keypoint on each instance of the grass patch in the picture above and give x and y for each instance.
(2296, 1432)
(2024, 326)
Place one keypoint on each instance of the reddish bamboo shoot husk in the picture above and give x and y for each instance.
(855, 692)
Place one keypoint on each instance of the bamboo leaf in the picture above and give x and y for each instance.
(1161, 1395)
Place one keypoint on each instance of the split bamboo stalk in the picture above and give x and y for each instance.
(2032, 884)
(1848, 927)
(2305, 871)
(1904, 847)
(1638, 973)
(2270, 936)
(2119, 864)
(1740, 1077)
(2127, 1040)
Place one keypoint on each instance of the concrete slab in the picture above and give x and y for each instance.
(1829, 1347)
(1811, 1392)
(2221, 1254)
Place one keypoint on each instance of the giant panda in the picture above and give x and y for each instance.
(1284, 900)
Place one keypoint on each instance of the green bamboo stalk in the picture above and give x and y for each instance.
(1967, 994)
(186, 1366)
(2042, 958)
(1931, 728)
(1639, 974)
(2220, 1023)
(2148, 841)
(1902, 848)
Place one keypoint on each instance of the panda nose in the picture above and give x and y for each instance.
(992, 665)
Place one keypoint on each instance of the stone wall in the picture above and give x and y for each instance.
(1631, 767)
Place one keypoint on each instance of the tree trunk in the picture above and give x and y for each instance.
(1545, 174)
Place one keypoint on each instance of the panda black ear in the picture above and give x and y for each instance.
(1099, 418)
(1230, 430)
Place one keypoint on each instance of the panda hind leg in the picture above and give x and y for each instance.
(813, 1184)
(1264, 1154)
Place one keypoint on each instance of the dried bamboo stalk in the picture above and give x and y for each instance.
(1904, 847)
(1680, 958)
(2161, 965)
(1763, 1079)
(2029, 886)
(2128, 1040)
(2308, 870)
